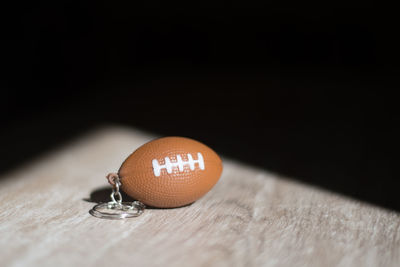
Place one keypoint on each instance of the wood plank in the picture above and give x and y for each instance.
(251, 218)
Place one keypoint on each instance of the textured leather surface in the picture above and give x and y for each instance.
(174, 189)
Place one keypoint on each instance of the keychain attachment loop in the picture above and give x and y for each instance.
(116, 209)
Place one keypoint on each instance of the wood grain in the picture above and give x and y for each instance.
(250, 218)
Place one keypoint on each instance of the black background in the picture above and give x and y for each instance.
(308, 93)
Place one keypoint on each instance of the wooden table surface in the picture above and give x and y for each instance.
(250, 218)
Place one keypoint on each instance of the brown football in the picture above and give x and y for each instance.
(170, 172)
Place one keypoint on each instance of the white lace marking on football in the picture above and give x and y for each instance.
(179, 164)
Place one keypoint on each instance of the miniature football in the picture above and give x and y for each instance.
(170, 172)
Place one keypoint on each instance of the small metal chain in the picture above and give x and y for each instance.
(116, 198)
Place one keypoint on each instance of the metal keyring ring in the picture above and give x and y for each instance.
(122, 210)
